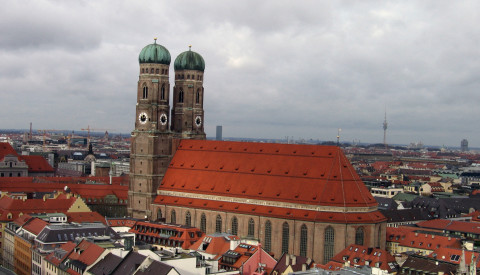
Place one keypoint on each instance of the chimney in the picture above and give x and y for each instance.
(294, 260)
(304, 267)
(287, 258)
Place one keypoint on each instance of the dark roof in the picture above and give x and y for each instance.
(407, 215)
(106, 265)
(446, 207)
(386, 203)
(282, 265)
(129, 264)
(156, 268)
(56, 233)
(417, 263)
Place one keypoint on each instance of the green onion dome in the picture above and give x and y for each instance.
(189, 60)
(154, 53)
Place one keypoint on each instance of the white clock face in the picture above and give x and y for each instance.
(198, 121)
(163, 119)
(143, 118)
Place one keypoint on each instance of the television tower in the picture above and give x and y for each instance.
(385, 126)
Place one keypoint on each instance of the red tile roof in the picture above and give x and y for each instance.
(304, 174)
(216, 244)
(76, 186)
(17, 206)
(55, 257)
(447, 225)
(37, 164)
(179, 235)
(86, 252)
(359, 255)
(81, 217)
(35, 226)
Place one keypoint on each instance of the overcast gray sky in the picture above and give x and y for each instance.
(273, 68)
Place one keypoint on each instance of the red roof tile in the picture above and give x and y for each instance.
(307, 174)
(362, 255)
(35, 225)
(37, 164)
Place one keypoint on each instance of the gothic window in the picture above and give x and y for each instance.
(303, 240)
(218, 224)
(379, 235)
(180, 96)
(268, 236)
(329, 241)
(285, 237)
(251, 228)
(188, 219)
(197, 98)
(173, 218)
(145, 92)
(359, 236)
(162, 93)
(234, 226)
(203, 223)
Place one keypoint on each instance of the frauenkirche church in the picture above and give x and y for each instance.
(300, 199)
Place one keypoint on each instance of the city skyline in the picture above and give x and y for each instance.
(273, 69)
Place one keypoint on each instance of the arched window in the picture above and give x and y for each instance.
(285, 237)
(303, 240)
(197, 97)
(159, 214)
(145, 92)
(188, 219)
(268, 236)
(329, 241)
(180, 96)
(173, 217)
(162, 92)
(218, 224)
(151, 70)
(359, 236)
(251, 228)
(157, 71)
(203, 223)
(234, 226)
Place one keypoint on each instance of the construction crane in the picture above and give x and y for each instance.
(88, 129)
(45, 135)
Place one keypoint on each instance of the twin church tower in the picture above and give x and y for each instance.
(157, 128)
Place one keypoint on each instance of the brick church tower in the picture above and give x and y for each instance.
(152, 139)
(187, 112)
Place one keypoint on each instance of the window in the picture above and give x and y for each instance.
(359, 236)
(203, 223)
(329, 240)
(197, 97)
(159, 214)
(268, 236)
(234, 226)
(145, 92)
(180, 96)
(251, 228)
(303, 241)
(157, 71)
(162, 93)
(173, 218)
(151, 70)
(218, 224)
(285, 237)
(188, 219)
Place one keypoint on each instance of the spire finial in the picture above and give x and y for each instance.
(155, 40)
(189, 47)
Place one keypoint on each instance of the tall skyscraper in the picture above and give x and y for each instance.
(464, 145)
(219, 133)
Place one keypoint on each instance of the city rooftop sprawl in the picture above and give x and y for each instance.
(167, 200)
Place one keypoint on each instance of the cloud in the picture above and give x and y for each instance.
(273, 68)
